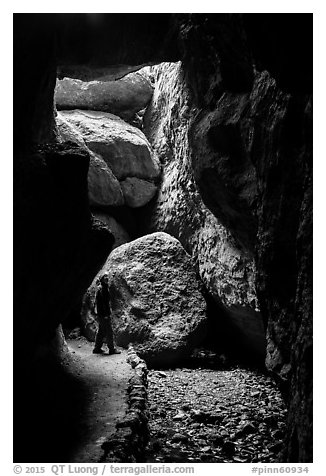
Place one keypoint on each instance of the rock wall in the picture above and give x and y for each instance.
(237, 138)
(252, 125)
(34, 60)
(226, 268)
(58, 246)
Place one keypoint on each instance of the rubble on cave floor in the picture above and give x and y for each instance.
(209, 415)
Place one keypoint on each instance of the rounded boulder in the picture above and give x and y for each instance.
(155, 299)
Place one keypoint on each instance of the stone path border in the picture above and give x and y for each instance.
(128, 443)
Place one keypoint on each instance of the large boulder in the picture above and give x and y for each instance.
(124, 97)
(123, 147)
(103, 187)
(137, 192)
(156, 301)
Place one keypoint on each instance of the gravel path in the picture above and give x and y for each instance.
(202, 415)
(105, 379)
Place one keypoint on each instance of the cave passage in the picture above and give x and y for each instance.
(196, 414)
(76, 408)
(171, 153)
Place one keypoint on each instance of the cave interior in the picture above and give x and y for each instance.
(174, 153)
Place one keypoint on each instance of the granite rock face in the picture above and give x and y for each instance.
(223, 170)
(266, 117)
(282, 150)
(123, 98)
(225, 267)
(156, 301)
(233, 156)
(248, 141)
(123, 147)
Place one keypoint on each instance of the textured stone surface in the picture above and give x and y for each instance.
(123, 147)
(120, 234)
(103, 187)
(134, 425)
(156, 301)
(282, 150)
(216, 56)
(227, 270)
(273, 135)
(137, 192)
(123, 97)
(223, 171)
(67, 132)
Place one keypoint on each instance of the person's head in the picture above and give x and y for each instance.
(104, 282)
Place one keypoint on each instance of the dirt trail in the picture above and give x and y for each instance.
(105, 381)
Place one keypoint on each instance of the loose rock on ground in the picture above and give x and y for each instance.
(206, 415)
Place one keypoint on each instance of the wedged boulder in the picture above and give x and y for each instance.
(124, 97)
(120, 234)
(103, 187)
(137, 192)
(124, 148)
(156, 301)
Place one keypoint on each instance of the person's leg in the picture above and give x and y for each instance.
(99, 338)
(110, 338)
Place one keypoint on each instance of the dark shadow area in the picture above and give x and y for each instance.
(225, 340)
(48, 406)
(208, 359)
